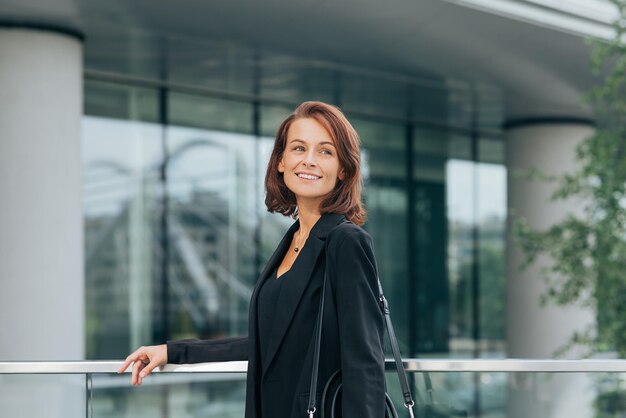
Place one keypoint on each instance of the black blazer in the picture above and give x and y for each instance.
(352, 334)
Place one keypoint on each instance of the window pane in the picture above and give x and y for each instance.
(374, 95)
(385, 197)
(210, 113)
(211, 177)
(123, 49)
(490, 107)
(460, 260)
(443, 181)
(271, 118)
(295, 79)
(272, 225)
(117, 101)
(430, 102)
(218, 66)
(491, 185)
(121, 206)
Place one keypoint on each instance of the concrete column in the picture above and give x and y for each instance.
(41, 229)
(534, 331)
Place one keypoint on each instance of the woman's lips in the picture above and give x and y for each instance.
(308, 179)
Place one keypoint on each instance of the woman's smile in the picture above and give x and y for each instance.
(308, 177)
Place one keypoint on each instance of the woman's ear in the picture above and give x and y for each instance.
(341, 175)
(281, 166)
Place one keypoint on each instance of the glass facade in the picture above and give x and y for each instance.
(175, 146)
(122, 155)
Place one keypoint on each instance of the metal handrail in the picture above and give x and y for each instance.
(411, 365)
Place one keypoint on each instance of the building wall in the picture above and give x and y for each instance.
(174, 202)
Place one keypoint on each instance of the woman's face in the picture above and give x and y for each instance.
(309, 162)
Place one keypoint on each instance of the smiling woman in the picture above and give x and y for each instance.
(317, 156)
(314, 176)
(309, 164)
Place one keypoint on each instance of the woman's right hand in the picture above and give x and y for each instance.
(144, 360)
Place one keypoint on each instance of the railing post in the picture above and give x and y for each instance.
(89, 395)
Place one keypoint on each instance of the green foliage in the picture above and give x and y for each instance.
(610, 400)
(587, 251)
(607, 404)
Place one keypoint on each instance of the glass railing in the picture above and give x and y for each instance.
(441, 388)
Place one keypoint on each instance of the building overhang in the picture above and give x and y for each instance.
(543, 67)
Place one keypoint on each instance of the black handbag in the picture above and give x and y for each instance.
(331, 396)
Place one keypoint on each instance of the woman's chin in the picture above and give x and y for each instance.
(304, 199)
(309, 192)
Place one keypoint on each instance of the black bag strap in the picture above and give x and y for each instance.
(404, 384)
(384, 307)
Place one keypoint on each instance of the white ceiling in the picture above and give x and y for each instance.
(542, 71)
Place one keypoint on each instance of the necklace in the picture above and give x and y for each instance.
(297, 247)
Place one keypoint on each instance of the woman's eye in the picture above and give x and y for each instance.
(301, 148)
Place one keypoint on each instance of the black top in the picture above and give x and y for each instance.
(268, 299)
(267, 305)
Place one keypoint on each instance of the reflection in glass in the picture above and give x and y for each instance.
(210, 113)
(123, 49)
(491, 208)
(212, 221)
(383, 162)
(218, 66)
(271, 118)
(460, 212)
(441, 191)
(121, 160)
(272, 226)
(371, 95)
(42, 395)
(295, 79)
(170, 395)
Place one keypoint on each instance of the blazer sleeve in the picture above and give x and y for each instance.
(361, 327)
(205, 351)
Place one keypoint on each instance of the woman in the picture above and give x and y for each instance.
(313, 175)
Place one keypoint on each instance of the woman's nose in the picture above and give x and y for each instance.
(309, 159)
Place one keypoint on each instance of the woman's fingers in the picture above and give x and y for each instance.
(139, 377)
(143, 362)
(129, 360)
(148, 368)
(158, 357)
(137, 366)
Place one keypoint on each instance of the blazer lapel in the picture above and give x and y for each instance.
(301, 273)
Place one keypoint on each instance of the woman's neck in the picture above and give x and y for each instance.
(308, 218)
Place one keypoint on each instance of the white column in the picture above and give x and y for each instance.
(41, 229)
(535, 331)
